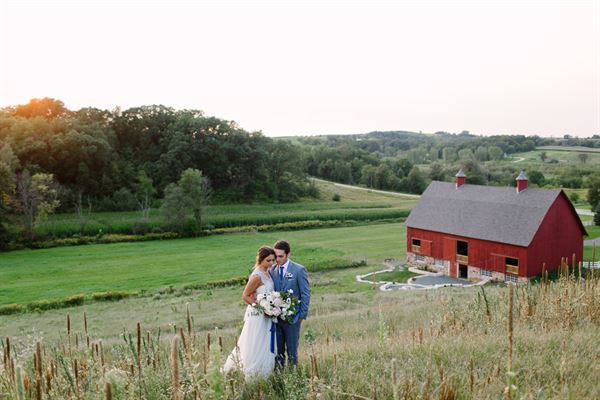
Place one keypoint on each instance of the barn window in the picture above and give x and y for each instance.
(462, 248)
(439, 262)
(416, 245)
(462, 252)
(486, 272)
(510, 278)
(420, 258)
(512, 265)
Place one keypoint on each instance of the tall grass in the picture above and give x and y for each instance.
(537, 341)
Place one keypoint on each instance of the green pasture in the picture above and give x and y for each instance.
(563, 156)
(580, 149)
(393, 276)
(31, 275)
(593, 231)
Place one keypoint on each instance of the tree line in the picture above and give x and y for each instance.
(52, 158)
(56, 159)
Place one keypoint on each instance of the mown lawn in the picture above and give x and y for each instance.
(593, 231)
(30, 275)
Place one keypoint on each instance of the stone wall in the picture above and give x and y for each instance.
(474, 273)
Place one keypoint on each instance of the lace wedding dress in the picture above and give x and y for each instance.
(253, 351)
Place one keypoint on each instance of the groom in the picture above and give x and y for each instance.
(288, 275)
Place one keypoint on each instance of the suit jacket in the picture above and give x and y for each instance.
(295, 278)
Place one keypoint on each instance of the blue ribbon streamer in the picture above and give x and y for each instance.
(272, 337)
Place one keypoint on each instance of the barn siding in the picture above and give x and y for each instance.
(559, 235)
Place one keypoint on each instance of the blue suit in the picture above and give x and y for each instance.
(288, 334)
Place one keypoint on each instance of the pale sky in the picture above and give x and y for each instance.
(316, 67)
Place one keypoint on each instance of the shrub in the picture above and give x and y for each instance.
(237, 281)
(124, 200)
(76, 300)
(574, 197)
(112, 296)
(336, 197)
(12, 309)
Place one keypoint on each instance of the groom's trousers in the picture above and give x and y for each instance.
(287, 342)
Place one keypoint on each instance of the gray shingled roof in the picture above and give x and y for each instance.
(499, 214)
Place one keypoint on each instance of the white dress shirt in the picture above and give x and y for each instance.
(284, 266)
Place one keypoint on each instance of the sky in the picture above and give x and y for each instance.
(316, 67)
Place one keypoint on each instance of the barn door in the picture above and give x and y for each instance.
(450, 255)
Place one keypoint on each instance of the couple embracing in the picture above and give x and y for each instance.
(263, 344)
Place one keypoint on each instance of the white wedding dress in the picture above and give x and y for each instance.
(253, 351)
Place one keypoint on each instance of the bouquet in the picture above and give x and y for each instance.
(276, 305)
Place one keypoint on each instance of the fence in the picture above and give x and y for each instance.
(589, 264)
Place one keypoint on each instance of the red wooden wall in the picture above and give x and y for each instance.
(559, 236)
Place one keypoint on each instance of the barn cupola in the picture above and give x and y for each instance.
(522, 182)
(460, 178)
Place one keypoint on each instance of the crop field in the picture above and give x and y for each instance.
(354, 205)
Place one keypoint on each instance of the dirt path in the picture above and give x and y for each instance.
(410, 196)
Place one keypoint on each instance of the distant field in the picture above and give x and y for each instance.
(563, 156)
(570, 148)
(30, 275)
(354, 204)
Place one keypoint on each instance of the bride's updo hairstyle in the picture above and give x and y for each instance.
(262, 253)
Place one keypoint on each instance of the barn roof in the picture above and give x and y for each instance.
(498, 214)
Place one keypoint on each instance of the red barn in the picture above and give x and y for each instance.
(481, 232)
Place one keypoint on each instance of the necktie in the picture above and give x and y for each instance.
(281, 273)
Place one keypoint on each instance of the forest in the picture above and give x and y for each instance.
(53, 159)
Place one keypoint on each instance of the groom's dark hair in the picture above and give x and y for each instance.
(282, 245)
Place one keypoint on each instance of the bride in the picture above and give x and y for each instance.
(256, 348)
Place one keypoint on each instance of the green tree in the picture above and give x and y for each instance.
(583, 157)
(144, 194)
(574, 197)
(8, 164)
(543, 156)
(37, 197)
(536, 177)
(495, 153)
(481, 153)
(175, 207)
(593, 195)
(436, 173)
(449, 154)
(197, 189)
(368, 176)
(597, 215)
(415, 182)
(466, 155)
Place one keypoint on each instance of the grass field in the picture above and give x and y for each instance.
(444, 344)
(563, 156)
(580, 149)
(29, 275)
